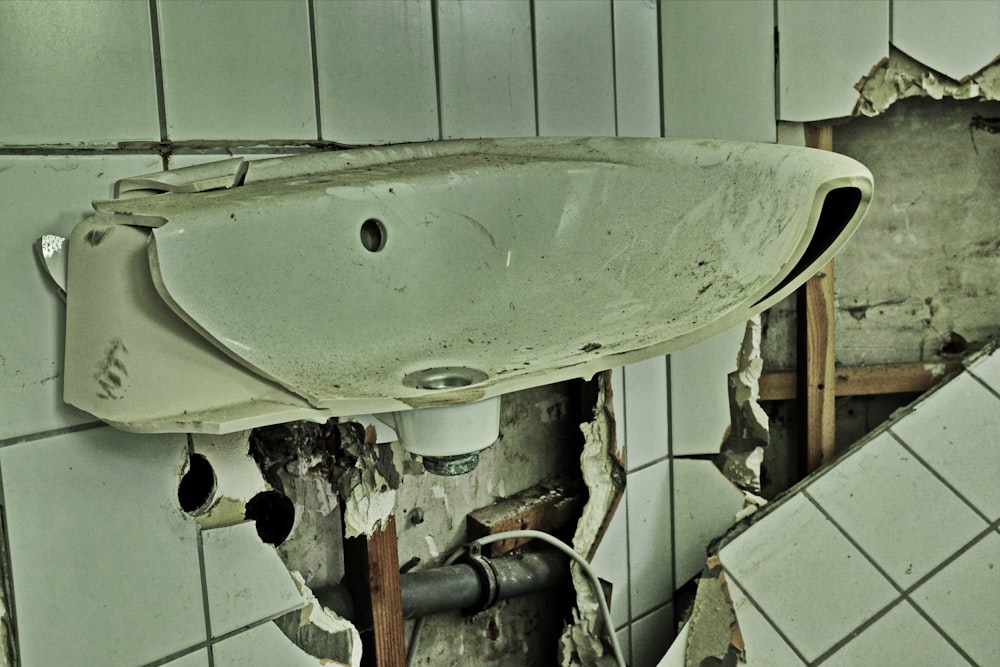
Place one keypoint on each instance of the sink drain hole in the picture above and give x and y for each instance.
(448, 377)
(197, 488)
(373, 235)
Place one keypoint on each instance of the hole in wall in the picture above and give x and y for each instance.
(373, 235)
(196, 492)
(274, 514)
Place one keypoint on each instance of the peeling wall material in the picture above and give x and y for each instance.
(899, 76)
(743, 452)
(320, 631)
(714, 637)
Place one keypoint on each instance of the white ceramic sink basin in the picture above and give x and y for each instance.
(384, 279)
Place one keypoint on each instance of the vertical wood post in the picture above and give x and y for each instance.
(371, 567)
(816, 348)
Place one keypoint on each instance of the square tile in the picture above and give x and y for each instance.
(705, 506)
(262, 646)
(804, 574)
(478, 98)
(962, 599)
(901, 638)
(699, 383)
(246, 580)
(764, 646)
(375, 61)
(196, 659)
(954, 431)
(649, 551)
(43, 195)
(103, 560)
(82, 72)
(646, 408)
(651, 636)
(611, 563)
(575, 76)
(987, 369)
(237, 70)
(895, 509)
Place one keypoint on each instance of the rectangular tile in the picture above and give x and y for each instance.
(237, 70)
(764, 646)
(637, 68)
(649, 534)
(76, 73)
(652, 635)
(705, 506)
(824, 49)
(806, 576)
(611, 563)
(43, 195)
(486, 70)
(900, 638)
(575, 71)
(104, 562)
(245, 578)
(376, 69)
(962, 599)
(718, 69)
(953, 431)
(646, 407)
(929, 31)
(262, 646)
(920, 522)
(699, 382)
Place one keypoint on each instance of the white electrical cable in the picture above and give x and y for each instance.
(561, 546)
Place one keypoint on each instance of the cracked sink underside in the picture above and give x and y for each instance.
(324, 280)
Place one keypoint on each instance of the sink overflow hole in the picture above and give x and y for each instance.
(373, 235)
(197, 488)
(450, 377)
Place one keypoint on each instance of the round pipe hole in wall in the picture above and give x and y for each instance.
(274, 514)
(196, 492)
(373, 235)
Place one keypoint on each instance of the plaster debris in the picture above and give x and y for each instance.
(6, 657)
(899, 76)
(604, 476)
(743, 452)
(714, 637)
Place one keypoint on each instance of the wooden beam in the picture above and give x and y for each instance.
(863, 380)
(538, 508)
(371, 572)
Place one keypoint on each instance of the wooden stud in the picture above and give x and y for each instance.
(863, 380)
(371, 568)
(817, 362)
(538, 508)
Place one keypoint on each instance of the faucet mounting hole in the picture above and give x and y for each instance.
(373, 235)
(447, 377)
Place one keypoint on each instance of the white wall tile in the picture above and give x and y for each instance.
(245, 579)
(104, 563)
(645, 418)
(961, 599)
(625, 643)
(718, 69)
(957, 38)
(650, 562)
(824, 48)
(375, 62)
(954, 431)
(637, 68)
(902, 637)
(611, 563)
(262, 646)
(987, 369)
(575, 75)
(487, 76)
(699, 405)
(196, 659)
(764, 646)
(920, 521)
(812, 583)
(43, 195)
(76, 73)
(237, 70)
(651, 636)
(705, 506)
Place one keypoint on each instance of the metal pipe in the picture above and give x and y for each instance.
(474, 585)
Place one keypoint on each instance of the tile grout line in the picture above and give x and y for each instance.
(904, 593)
(668, 415)
(161, 101)
(436, 50)
(659, 67)
(614, 65)
(767, 617)
(314, 54)
(534, 60)
(42, 435)
(202, 571)
(7, 584)
(628, 531)
(983, 382)
(936, 474)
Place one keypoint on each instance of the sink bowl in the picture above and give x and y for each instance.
(428, 275)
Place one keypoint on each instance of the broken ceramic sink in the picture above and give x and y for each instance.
(237, 294)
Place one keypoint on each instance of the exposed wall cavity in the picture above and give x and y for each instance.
(900, 76)
(743, 452)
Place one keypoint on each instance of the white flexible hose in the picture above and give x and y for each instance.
(561, 546)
